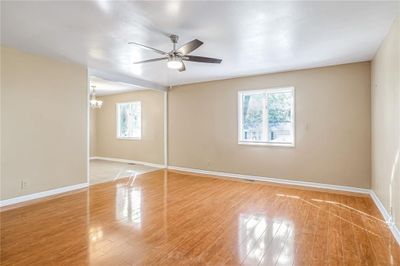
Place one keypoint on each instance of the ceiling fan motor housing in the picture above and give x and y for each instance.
(174, 38)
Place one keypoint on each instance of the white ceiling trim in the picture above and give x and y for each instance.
(135, 82)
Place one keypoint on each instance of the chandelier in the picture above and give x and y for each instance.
(94, 103)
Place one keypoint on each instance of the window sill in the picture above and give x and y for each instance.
(122, 138)
(288, 145)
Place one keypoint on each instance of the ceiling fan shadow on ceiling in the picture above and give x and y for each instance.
(176, 57)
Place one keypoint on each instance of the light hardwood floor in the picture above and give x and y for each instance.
(170, 218)
(104, 171)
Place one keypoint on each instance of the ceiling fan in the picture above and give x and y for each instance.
(176, 57)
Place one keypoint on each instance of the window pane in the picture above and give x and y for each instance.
(129, 120)
(123, 120)
(266, 116)
(253, 117)
(135, 118)
(280, 117)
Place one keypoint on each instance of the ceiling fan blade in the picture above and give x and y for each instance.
(189, 47)
(201, 59)
(149, 48)
(150, 60)
(183, 68)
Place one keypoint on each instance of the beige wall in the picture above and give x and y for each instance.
(332, 127)
(150, 147)
(386, 122)
(43, 123)
(92, 131)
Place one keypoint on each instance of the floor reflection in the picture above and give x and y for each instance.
(250, 229)
(286, 255)
(95, 233)
(263, 240)
(129, 205)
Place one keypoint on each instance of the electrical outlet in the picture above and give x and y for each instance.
(24, 184)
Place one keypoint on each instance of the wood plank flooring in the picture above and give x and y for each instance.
(170, 218)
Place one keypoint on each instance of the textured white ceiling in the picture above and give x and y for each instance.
(250, 37)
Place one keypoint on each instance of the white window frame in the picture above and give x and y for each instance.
(240, 122)
(117, 121)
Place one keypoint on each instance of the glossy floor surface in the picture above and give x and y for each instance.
(104, 171)
(167, 218)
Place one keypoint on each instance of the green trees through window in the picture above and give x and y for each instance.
(266, 116)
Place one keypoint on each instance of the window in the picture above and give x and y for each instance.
(129, 120)
(266, 117)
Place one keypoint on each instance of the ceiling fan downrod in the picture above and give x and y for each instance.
(174, 39)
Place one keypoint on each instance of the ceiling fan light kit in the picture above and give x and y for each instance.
(176, 57)
(94, 103)
(174, 62)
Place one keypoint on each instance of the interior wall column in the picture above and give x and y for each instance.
(166, 128)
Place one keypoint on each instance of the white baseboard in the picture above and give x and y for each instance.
(127, 161)
(396, 232)
(380, 207)
(386, 215)
(41, 194)
(273, 180)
